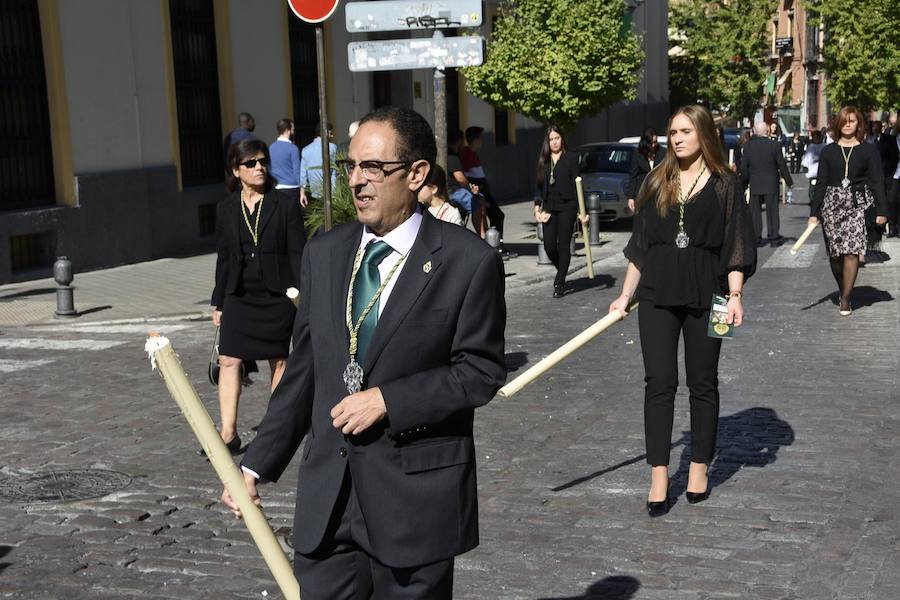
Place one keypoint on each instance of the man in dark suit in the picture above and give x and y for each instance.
(889, 151)
(761, 162)
(398, 338)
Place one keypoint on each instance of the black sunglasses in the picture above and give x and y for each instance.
(250, 164)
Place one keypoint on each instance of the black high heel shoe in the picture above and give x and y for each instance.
(697, 497)
(658, 509)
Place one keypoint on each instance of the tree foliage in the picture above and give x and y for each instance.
(556, 61)
(861, 51)
(724, 49)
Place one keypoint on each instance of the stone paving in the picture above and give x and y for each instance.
(804, 503)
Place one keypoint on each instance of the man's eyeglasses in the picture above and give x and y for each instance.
(372, 170)
(251, 164)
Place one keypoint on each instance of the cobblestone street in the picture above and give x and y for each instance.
(803, 504)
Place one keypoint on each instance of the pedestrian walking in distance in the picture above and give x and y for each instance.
(433, 196)
(850, 180)
(647, 155)
(761, 162)
(399, 337)
(259, 240)
(556, 203)
(691, 239)
(285, 155)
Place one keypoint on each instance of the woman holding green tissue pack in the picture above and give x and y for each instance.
(692, 239)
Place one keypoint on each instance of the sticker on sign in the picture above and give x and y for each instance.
(313, 11)
(419, 53)
(394, 15)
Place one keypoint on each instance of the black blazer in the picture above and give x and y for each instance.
(889, 154)
(761, 162)
(437, 353)
(640, 166)
(281, 240)
(564, 175)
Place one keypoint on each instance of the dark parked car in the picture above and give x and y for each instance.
(605, 168)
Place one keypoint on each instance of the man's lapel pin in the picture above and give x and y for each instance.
(427, 267)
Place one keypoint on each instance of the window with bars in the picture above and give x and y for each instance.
(197, 91)
(304, 78)
(26, 155)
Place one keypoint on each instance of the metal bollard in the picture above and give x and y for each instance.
(593, 209)
(543, 259)
(492, 237)
(65, 293)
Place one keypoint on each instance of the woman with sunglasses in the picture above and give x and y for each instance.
(259, 239)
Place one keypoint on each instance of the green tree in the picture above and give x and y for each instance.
(556, 61)
(861, 51)
(721, 48)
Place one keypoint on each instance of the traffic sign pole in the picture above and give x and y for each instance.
(323, 128)
(317, 11)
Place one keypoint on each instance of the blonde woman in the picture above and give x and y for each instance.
(692, 238)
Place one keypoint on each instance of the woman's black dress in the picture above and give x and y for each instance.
(256, 322)
(721, 240)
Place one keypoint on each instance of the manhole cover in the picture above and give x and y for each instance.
(62, 486)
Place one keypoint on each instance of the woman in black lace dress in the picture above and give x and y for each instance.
(850, 180)
(692, 238)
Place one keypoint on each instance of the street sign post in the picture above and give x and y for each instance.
(419, 53)
(313, 11)
(401, 15)
(317, 11)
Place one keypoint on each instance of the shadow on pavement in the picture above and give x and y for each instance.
(583, 283)
(521, 249)
(863, 296)
(516, 360)
(27, 293)
(614, 587)
(94, 309)
(4, 550)
(749, 438)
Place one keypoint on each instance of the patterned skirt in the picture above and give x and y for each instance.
(843, 219)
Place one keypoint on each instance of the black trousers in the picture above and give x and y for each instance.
(660, 329)
(893, 202)
(557, 239)
(342, 568)
(772, 223)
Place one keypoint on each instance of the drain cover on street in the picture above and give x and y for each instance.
(62, 486)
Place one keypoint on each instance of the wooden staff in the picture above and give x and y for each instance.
(584, 227)
(162, 355)
(563, 351)
(802, 239)
(294, 295)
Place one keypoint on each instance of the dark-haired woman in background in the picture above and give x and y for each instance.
(691, 239)
(556, 203)
(850, 180)
(259, 239)
(647, 155)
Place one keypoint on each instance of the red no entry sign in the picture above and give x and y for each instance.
(313, 11)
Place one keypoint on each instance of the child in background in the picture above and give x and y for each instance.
(434, 197)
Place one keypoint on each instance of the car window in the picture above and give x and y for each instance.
(606, 159)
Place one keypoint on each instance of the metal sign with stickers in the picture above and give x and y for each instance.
(408, 15)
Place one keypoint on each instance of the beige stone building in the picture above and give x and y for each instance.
(114, 114)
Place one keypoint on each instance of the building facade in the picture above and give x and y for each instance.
(116, 112)
(794, 92)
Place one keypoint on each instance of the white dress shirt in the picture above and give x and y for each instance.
(400, 239)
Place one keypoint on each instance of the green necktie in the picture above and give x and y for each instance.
(368, 280)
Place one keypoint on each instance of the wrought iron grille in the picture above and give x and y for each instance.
(304, 78)
(26, 154)
(197, 91)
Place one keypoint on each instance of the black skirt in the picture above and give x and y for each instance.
(256, 324)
